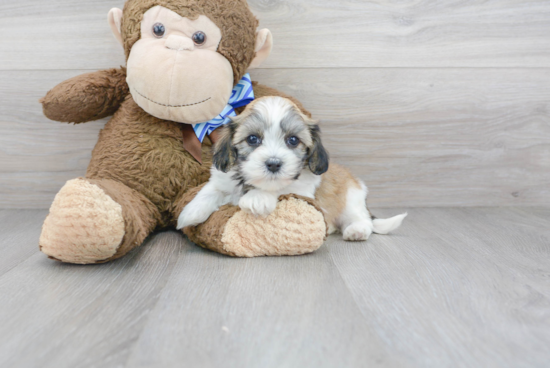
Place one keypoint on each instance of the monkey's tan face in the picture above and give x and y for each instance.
(174, 70)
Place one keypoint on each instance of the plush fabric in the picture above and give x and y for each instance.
(115, 22)
(164, 83)
(233, 17)
(300, 219)
(87, 97)
(264, 44)
(141, 176)
(84, 225)
(146, 154)
(296, 227)
(140, 164)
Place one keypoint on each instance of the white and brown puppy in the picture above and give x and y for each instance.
(273, 149)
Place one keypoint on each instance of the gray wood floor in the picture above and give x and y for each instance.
(453, 287)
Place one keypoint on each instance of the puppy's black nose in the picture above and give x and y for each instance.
(274, 164)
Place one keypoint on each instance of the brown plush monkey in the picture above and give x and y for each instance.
(183, 59)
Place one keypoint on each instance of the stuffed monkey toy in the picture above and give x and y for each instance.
(185, 76)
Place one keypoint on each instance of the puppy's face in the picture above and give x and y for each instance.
(270, 144)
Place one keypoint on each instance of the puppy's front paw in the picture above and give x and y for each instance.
(192, 215)
(258, 203)
(358, 231)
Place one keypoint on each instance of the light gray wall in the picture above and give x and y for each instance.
(432, 103)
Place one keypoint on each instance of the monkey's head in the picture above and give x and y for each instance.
(185, 56)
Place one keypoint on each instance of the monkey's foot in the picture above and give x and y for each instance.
(297, 226)
(84, 226)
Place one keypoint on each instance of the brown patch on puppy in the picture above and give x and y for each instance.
(333, 191)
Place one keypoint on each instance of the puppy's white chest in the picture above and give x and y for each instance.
(305, 186)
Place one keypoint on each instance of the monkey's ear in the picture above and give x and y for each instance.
(225, 155)
(318, 158)
(264, 45)
(115, 21)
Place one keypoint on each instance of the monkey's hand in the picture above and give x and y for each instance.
(86, 97)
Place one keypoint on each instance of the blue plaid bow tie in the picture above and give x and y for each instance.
(242, 95)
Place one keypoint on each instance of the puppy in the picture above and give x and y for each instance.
(273, 149)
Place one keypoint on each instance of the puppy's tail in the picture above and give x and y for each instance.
(385, 226)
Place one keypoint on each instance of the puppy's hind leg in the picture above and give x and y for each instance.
(356, 221)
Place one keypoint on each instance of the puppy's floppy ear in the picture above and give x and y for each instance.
(318, 157)
(225, 155)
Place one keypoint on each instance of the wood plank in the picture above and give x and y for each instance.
(63, 34)
(418, 137)
(455, 287)
(37, 155)
(542, 216)
(19, 234)
(58, 315)
(452, 287)
(343, 34)
(58, 34)
(264, 312)
(524, 253)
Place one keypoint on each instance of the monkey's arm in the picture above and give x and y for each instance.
(86, 97)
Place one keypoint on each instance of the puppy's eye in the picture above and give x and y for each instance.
(199, 38)
(159, 30)
(293, 142)
(253, 140)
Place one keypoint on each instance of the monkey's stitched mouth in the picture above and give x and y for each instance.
(165, 105)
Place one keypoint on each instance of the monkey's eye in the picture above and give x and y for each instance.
(293, 142)
(159, 30)
(199, 38)
(253, 140)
